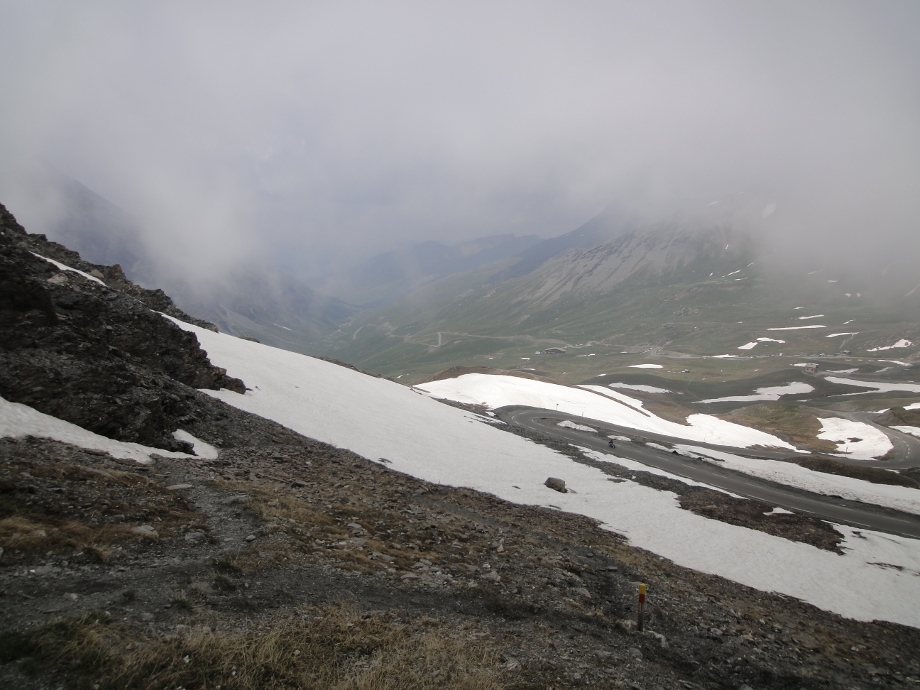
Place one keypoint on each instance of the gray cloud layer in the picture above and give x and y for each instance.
(235, 127)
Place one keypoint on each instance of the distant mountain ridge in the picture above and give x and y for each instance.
(388, 277)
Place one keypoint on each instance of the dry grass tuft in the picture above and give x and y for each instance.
(20, 534)
(330, 648)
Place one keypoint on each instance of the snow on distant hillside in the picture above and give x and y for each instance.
(876, 386)
(594, 402)
(578, 427)
(638, 387)
(903, 342)
(768, 393)
(751, 345)
(420, 436)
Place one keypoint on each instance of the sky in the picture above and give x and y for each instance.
(282, 128)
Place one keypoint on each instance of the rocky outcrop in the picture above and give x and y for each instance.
(95, 352)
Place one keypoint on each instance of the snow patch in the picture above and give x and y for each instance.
(594, 402)
(19, 421)
(903, 342)
(638, 387)
(578, 427)
(769, 393)
(646, 366)
(752, 344)
(876, 386)
(203, 450)
(856, 440)
(795, 328)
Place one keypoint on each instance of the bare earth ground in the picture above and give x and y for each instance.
(289, 563)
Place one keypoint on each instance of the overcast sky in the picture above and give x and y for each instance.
(287, 124)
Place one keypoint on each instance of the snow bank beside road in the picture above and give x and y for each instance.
(897, 497)
(594, 402)
(856, 440)
(378, 418)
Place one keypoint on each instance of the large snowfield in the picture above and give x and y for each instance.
(377, 418)
(878, 576)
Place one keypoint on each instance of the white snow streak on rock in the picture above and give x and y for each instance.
(646, 366)
(18, 421)
(203, 450)
(64, 267)
(795, 328)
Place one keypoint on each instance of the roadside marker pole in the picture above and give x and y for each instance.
(641, 606)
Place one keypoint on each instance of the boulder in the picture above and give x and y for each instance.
(556, 484)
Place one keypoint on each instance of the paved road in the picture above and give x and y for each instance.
(826, 507)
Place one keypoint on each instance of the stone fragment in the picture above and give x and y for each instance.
(556, 484)
(146, 531)
(178, 487)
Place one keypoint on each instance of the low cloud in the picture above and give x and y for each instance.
(232, 129)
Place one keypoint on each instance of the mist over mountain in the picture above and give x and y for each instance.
(74, 215)
(250, 298)
(387, 277)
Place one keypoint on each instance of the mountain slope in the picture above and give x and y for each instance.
(700, 285)
(180, 571)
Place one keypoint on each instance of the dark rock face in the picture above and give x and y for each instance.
(96, 355)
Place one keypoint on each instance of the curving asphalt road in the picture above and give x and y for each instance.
(825, 507)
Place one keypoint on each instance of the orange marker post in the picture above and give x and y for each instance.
(641, 606)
